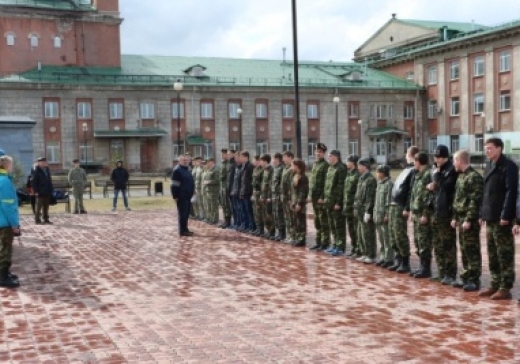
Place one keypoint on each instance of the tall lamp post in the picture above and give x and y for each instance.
(85, 129)
(177, 86)
(483, 122)
(296, 80)
(336, 102)
(239, 113)
(360, 123)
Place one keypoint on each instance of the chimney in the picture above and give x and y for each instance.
(394, 15)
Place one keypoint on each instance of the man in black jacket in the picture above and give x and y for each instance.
(119, 177)
(444, 236)
(43, 190)
(498, 212)
(246, 192)
(182, 189)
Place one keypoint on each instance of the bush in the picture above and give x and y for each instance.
(18, 175)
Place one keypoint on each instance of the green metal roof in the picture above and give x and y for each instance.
(219, 72)
(460, 27)
(374, 132)
(196, 140)
(131, 133)
(77, 5)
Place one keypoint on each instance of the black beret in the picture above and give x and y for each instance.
(322, 147)
(353, 158)
(383, 168)
(335, 152)
(364, 162)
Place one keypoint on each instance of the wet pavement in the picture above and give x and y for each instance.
(122, 287)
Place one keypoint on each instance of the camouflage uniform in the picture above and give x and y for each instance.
(333, 193)
(382, 211)
(349, 196)
(265, 195)
(321, 222)
(276, 190)
(364, 204)
(78, 179)
(210, 190)
(223, 195)
(420, 205)
(288, 213)
(257, 206)
(198, 206)
(299, 193)
(466, 207)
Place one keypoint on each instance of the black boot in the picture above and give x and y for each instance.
(425, 271)
(397, 263)
(9, 274)
(299, 243)
(6, 280)
(260, 231)
(414, 272)
(405, 266)
(282, 235)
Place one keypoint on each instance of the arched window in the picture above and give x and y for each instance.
(57, 42)
(34, 39)
(10, 38)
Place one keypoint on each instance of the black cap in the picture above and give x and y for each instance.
(321, 146)
(353, 158)
(335, 152)
(442, 152)
(42, 159)
(383, 168)
(197, 158)
(75, 160)
(364, 162)
(223, 150)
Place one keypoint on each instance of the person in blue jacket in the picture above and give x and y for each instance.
(9, 222)
(182, 189)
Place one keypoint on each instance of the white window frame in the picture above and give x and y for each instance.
(84, 110)
(56, 41)
(381, 111)
(455, 106)
(175, 107)
(287, 145)
(208, 150)
(432, 145)
(408, 112)
(478, 103)
(51, 110)
(312, 111)
(89, 156)
(479, 66)
(261, 147)
(311, 148)
(454, 143)
(432, 75)
(53, 152)
(234, 145)
(115, 110)
(233, 111)
(380, 146)
(353, 147)
(432, 109)
(34, 40)
(178, 149)
(353, 110)
(287, 110)
(454, 70)
(10, 39)
(505, 101)
(261, 110)
(410, 75)
(479, 143)
(407, 143)
(505, 60)
(147, 110)
(206, 110)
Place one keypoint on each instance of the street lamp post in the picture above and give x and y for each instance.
(360, 123)
(177, 86)
(336, 102)
(85, 129)
(296, 80)
(483, 122)
(239, 112)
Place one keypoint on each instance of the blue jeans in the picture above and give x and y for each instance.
(237, 212)
(125, 199)
(247, 213)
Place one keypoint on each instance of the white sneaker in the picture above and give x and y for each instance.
(369, 260)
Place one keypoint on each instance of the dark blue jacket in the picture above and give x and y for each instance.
(120, 178)
(42, 182)
(183, 185)
(500, 191)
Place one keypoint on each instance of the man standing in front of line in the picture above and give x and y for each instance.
(316, 196)
(78, 179)
(182, 189)
(119, 178)
(223, 194)
(498, 213)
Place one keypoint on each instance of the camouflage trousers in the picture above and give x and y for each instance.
(289, 217)
(300, 224)
(77, 192)
(267, 216)
(210, 202)
(422, 238)
(366, 234)
(278, 217)
(198, 205)
(6, 247)
(337, 227)
(398, 226)
(469, 241)
(352, 223)
(225, 203)
(257, 211)
(501, 251)
(321, 224)
(444, 241)
(386, 252)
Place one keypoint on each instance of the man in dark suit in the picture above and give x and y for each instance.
(182, 189)
(43, 190)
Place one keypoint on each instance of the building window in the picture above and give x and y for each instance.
(353, 110)
(478, 103)
(178, 149)
(34, 40)
(432, 145)
(380, 147)
(261, 147)
(233, 111)
(381, 112)
(505, 101)
(115, 110)
(208, 150)
(261, 110)
(312, 111)
(390, 111)
(84, 110)
(454, 70)
(311, 150)
(57, 42)
(287, 145)
(478, 66)
(353, 147)
(234, 145)
(407, 143)
(10, 39)
(432, 109)
(505, 61)
(206, 110)
(408, 112)
(432, 75)
(455, 143)
(287, 110)
(53, 152)
(51, 110)
(479, 143)
(455, 106)
(409, 76)
(85, 153)
(176, 108)
(147, 110)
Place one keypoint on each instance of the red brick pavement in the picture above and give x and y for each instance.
(118, 288)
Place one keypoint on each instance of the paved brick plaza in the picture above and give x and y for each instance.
(117, 288)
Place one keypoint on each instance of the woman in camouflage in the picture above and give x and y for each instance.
(299, 193)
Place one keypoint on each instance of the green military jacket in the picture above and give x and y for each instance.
(276, 182)
(197, 177)
(334, 184)
(299, 191)
(257, 179)
(421, 197)
(349, 191)
(469, 191)
(223, 175)
(318, 177)
(287, 180)
(267, 176)
(211, 181)
(77, 177)
(365, 194)
(383, 200)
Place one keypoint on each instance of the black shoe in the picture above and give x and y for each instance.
(404, 267)
(11, 275)
(447, 281)
(9, 282)
(471, 287)
(315, 247)
(277, 237)
(48, 222)
(38, 222)
(458, 284)
(75, 212)
(425, 271)
(186, 233)
(380, 262)
(299, 243)
(396, 265)
(387, 264)
(82, 212)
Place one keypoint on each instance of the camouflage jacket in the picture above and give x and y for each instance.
(334, 184)
(257, 179)
(365, 194)
(287, 179)
(223, 175)
(318, 177)
(197, 177)
(276, 182)
(211, 181)
(349, 191)
(299, 190)
(469, 190)
(421, 200)
(267, 176)
(77, 177)
(383, 199)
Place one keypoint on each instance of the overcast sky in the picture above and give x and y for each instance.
(328, 29)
